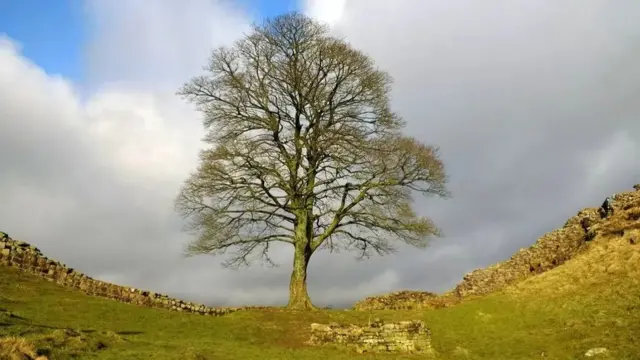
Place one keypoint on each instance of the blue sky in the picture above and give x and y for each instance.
(53, 33)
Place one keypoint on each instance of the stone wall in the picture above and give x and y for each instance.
(405, 336)
(407, 300)
(550, 251)
(29, 259)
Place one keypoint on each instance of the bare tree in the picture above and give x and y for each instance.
(305, 151)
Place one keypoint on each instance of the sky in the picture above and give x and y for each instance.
(52, 33)
(532, 103)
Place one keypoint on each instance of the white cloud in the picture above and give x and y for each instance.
(157, 44)
(327, 11)
(141, 135)
(92, 181)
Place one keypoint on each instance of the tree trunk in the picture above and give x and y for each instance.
(298, 296)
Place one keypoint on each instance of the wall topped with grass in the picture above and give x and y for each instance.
(404, 336)
(551, 250)
(28, 258)
(408, 300)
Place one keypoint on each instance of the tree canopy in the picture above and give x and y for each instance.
(305, 150)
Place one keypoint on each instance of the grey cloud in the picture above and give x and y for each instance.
(520, 96)
(532, 103)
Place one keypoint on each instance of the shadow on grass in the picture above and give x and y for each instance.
(26, 322)
(12, 315)
(86, 331)
(129, 332)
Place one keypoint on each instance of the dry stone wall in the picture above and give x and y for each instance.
(407, 300)
(405, 336)
(550, 251)
(29, 259)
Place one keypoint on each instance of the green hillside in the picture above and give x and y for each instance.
(590, 301)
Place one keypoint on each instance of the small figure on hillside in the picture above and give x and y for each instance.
(636, 187)
(586, 224)
(606, 208)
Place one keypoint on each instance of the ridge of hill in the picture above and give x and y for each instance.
(551, 250)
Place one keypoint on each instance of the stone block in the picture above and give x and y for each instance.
(406, 336)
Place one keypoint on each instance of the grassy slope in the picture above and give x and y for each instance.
(591, 301)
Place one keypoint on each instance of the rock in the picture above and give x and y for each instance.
(320, 327)
(586, 223)
(596, 351)
(461, 352)
(484, 317)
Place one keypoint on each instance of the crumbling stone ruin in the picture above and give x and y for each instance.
(550, 251)
(405, 336)
(29, 259)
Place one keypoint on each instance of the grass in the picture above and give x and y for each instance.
(589, 302)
